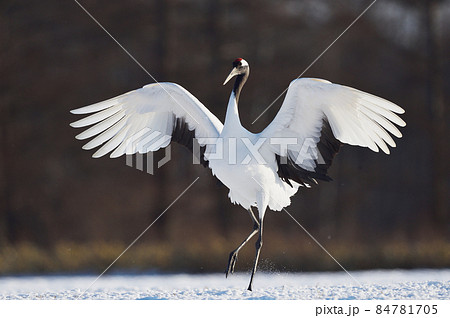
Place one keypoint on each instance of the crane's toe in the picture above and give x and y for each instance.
(231, 263)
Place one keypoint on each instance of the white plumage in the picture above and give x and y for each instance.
(153, 106)
(261, 170)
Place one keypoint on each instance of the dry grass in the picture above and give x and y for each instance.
(212, 256)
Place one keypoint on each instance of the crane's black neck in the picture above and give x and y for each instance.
(239, 83)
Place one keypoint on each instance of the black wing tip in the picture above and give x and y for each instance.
(328, 147)
(291, 171)
(182, 135)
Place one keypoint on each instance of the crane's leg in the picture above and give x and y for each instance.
(233, 255)
(262, 202)
(258, 246)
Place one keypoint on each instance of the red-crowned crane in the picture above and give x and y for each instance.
(261, 170)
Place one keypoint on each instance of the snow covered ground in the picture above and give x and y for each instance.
(378, 284)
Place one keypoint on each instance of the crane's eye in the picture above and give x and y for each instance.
(239, 66)
(237, 62)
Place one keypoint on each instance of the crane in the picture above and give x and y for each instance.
(262, 170)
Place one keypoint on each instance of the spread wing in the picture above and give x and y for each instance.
(146, 119)
(320, 116)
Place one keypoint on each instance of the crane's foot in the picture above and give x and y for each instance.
(231, 263)
(233, 255)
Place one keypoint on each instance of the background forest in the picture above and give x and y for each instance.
(62, 211)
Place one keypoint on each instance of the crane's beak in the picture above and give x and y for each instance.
(232, 74)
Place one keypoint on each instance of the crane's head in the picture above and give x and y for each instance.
(240, 66)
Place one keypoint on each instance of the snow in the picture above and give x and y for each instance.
(375, 284)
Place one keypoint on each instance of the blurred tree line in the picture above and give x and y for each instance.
(57, 204)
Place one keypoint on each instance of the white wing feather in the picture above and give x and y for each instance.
(356, 118)
(143, 120)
